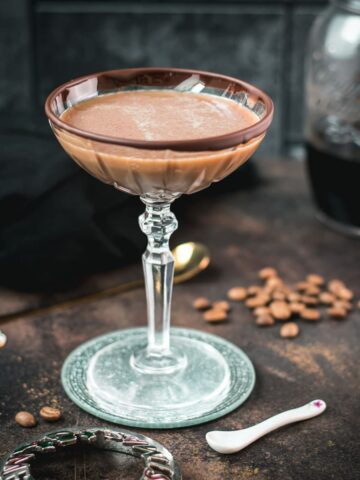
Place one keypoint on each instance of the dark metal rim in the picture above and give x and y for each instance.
(159, 463)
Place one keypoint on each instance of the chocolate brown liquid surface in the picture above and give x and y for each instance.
(157, 116)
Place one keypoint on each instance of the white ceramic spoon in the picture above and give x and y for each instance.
(234, 441)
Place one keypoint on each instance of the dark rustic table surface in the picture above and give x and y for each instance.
(273, 225)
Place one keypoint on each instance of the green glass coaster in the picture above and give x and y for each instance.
(101, 377)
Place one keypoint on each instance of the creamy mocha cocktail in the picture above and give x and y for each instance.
(157, 115)
(158, 133)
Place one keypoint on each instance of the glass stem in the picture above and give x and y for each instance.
(158, 223)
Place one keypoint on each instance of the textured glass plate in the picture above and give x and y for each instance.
(240, 384)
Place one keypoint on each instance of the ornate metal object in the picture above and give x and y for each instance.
(159, 463)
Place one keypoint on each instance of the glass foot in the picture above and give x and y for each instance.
(203, 378)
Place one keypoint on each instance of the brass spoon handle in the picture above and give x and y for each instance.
(107, 292)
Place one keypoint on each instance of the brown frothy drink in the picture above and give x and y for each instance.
(157, 115)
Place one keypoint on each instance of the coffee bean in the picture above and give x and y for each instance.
(342, 304)
(280, 310)
(278, 295)
(237, 294)
(50, 414)
(259, 301)
(345, 294)
(261, 311)
(221, 305)
(254, 290)
(315, 279)
(274, 282)
(264, 320)
(215, 315)
(308, 300)
(296, 307)
(25, 419)
(289, 330)
(336, 312)
(335, 285)
(312, 290)
(294, 297)
(302, 286)
(201, 303)
(267, 272)
(310, 314)
(327, 298)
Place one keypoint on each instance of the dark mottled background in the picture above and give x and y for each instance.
(46, 42)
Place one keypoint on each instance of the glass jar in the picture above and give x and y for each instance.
(332, 127)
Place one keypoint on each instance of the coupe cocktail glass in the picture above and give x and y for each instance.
(148, 377)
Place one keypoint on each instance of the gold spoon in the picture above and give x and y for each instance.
(190, 259)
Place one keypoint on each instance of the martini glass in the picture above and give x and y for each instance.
(149, 377)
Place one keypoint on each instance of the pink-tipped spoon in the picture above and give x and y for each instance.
(234, 441)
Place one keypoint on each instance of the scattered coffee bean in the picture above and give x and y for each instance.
(254, 290)
(201, 303)
(50, 414)
(335, 285)
(215, 315)
(278, 295)
(302, 286)
(221, 305)
(267, 272)
(336, 312)
(310, 314)
(296, 307)
(261, 311)
(264, 320)
(326, 298)
(345, 294)
(343, 304)
(294, 297)
(258, 301)
(274, 282)
(315, 279)
(309, 300)
(312, 290)
(280, 310)
(25, 419)
(274, 300)
(237, 294)
(289, 330)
